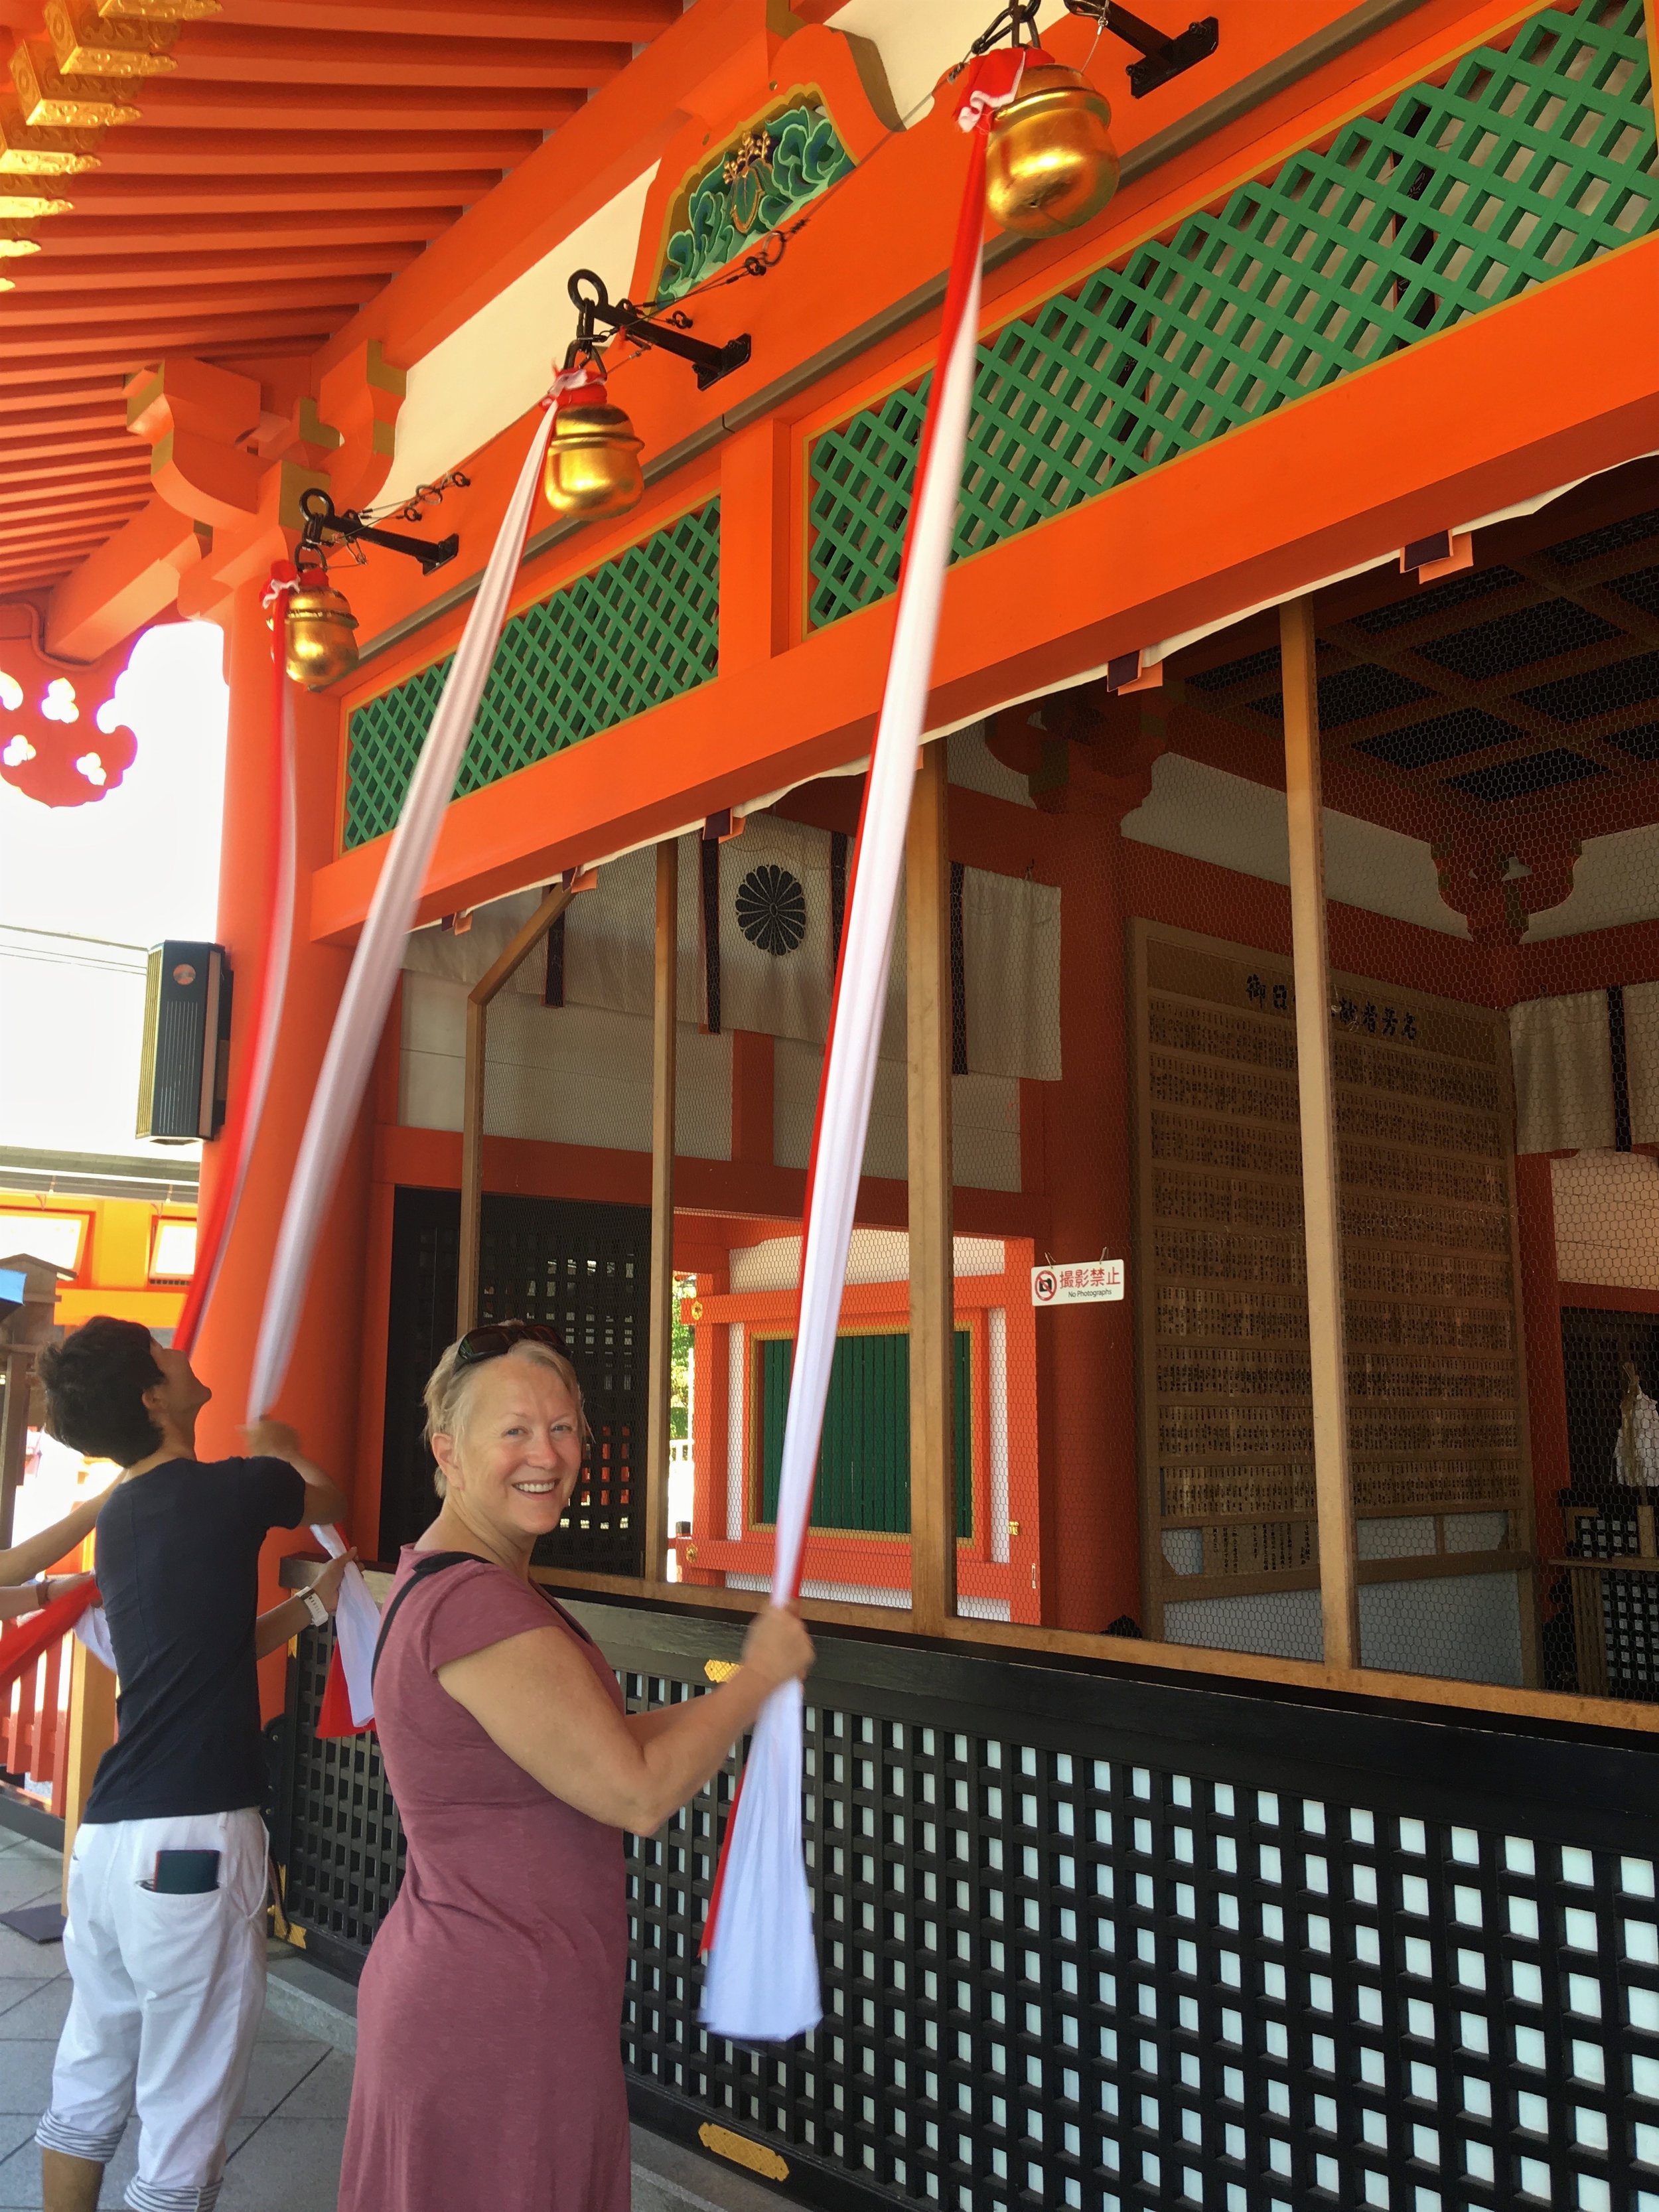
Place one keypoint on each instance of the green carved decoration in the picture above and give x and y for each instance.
(756, 185)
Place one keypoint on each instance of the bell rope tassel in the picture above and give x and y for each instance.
(348, 1705)
(23, 1642)
(367, 998)
(762, 1983)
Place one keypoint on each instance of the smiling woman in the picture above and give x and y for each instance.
(515, 1768)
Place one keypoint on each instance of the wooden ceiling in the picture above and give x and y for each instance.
(287, 157)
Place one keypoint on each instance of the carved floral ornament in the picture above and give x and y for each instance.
(55, 746)
(762, 175)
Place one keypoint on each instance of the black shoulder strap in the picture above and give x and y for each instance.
(433, 1564)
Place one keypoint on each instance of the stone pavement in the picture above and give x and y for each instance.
(285, 2145)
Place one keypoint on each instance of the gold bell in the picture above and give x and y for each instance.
(319, 641)
(1051, 163)
(592, 466)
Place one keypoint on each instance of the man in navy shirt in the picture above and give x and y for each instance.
(166, 1935)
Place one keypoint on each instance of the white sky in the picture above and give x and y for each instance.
(143, 862)
(136, 866)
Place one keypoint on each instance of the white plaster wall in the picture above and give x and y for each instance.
(1616, 881)
(570, 1075)
(876, 1255)
(984, 1119)
(486, 374)
(1232, 823)
(919, 39)
(1606, 1219)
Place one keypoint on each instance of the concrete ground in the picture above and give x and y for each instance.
(285, 2145)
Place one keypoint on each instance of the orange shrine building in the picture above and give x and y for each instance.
(1231, 1762)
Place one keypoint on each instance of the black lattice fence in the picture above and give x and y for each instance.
(585, 1269)
(1096, 1940)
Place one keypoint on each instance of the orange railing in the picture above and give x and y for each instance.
(34, 1726)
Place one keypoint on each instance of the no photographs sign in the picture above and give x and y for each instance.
(1086, 1282)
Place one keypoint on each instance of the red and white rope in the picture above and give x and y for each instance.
(763, 1980)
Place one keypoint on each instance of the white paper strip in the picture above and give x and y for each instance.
(356, 1037)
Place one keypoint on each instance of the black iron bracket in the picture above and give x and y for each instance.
(324, 522)
(668, 333)
(1161, 56)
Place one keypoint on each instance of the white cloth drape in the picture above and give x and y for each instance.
(1563, 1075)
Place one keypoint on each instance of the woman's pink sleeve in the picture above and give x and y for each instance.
(474, 1607)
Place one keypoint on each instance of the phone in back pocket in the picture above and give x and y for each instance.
(184, 1874)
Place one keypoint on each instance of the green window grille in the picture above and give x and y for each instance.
(1528, 161)
(864, 1461)
(642, 628)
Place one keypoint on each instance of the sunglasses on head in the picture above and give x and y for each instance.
(497, 1338)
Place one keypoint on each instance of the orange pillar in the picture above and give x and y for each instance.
(1091, 1512)
(320, 1397)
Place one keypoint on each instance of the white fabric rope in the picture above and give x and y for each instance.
(762, 1983)
(367, 998)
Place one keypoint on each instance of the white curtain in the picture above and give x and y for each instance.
(1563, 1075)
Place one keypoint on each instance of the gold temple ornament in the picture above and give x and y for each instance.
(1051, 164)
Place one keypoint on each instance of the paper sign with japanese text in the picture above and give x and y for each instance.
(1078, 1283)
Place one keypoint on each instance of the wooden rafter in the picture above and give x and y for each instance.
(289, 158)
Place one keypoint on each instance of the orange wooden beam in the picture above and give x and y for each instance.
(167, 152)
(210, 277)
(636, 21)
(131, 578)
(304, 56)
(96, 235)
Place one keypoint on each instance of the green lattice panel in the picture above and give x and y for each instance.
(1529, 162)
(642, 628)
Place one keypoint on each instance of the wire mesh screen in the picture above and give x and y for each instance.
(1491, 843)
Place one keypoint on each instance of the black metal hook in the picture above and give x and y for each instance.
(711, 362)
(324, 520)
(1161, 56)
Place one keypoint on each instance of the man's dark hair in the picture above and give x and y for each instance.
(94, 1383)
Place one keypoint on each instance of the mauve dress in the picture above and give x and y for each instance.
(489, 2014)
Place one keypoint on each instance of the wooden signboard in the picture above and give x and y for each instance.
(1436, 1389)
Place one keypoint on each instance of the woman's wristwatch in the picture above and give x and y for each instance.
(314, 1607)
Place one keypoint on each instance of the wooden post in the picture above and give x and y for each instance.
(506, 964)
(932, 1313)
(472, 1101)
(1338, 1580)
(664, 1039)
(91, 1732)
(14, 1433)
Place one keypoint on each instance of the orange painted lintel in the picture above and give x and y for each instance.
(1550, 387)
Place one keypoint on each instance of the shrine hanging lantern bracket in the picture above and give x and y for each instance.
(667, 333)
(1161, 57)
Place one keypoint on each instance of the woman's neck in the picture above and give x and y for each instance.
(455, 1531)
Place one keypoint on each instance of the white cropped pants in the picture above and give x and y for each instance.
(168, 1994)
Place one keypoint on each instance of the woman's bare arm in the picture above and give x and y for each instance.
(538, 1698)
(22, 1562)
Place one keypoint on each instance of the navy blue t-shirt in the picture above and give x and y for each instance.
(177, 1566)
